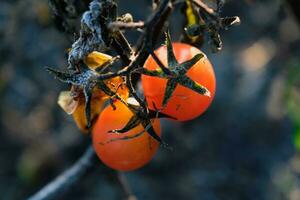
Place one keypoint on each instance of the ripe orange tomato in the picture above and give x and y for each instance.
(184, 104)
(123, 155)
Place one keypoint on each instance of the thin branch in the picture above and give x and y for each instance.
(205, 7)
(68, 178)
(122, 46)
(122, 25)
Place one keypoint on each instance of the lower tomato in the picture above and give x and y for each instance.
(184, 104)
(117, 153)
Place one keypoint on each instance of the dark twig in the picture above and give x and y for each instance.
(125, 186)
(207, 9)
(68, 178)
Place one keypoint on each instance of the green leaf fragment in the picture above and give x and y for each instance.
(157, 72)
(172, 62)
(185, 66)
(193, 85)
(133, 122)
(170, 87)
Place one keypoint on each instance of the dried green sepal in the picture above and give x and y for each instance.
(141, 116)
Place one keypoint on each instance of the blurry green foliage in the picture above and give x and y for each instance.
(293, 100)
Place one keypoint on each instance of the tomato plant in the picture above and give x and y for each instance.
(184, 103)
(123, 151)
(178, 84)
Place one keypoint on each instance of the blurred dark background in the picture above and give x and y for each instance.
(246, 146)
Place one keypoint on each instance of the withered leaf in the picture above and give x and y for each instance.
(67, 102)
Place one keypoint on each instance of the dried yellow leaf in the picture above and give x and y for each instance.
(96, 59)
(97, 102)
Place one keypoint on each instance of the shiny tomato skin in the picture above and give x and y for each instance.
(184, 104)
(122, 155)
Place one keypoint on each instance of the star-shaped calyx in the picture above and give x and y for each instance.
(211, 25)
(176, 73)
(88, 79)
(141, 116)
